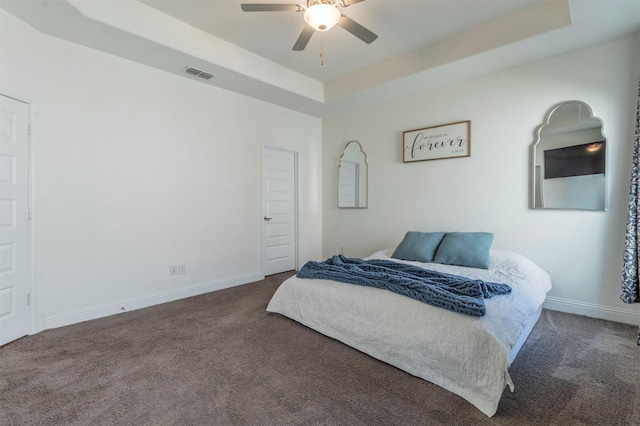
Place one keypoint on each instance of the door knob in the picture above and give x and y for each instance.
(267, 218)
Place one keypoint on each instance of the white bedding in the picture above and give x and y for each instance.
(466, 355)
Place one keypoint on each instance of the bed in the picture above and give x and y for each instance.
(469, 356)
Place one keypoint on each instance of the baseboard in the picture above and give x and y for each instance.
(37, 326)
(101, 311)
(627, 316)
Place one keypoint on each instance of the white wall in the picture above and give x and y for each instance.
(137, 169)
(489, 191)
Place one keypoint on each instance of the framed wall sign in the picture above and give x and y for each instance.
(433, 143)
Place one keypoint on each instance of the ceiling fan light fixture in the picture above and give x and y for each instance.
(322, 16)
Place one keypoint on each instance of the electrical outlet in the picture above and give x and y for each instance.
(182, 269)
(173, 270)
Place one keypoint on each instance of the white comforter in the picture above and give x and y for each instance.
(465, 355)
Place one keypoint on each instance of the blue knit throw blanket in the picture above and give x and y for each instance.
(452, 292)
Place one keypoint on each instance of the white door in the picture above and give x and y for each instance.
(14, 204)
(278, 210)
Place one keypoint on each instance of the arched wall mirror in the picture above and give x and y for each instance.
(569, 160)
(352, 177)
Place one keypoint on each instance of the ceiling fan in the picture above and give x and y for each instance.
(319, 15)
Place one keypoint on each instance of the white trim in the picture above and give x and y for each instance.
(626, 316)
(33, 327)
(296, 208)
(38, 326)
(100, 311)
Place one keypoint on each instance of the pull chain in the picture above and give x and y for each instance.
(322, 52)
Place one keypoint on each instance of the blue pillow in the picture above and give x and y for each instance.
(465, 249)
(420, 246)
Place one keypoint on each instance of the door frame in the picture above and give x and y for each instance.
(32, 327)
(296, 198)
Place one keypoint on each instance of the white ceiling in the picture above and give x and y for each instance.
(433, 42)
(402, 26)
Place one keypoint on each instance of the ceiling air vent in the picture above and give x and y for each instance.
(199, 73)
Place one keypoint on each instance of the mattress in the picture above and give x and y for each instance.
(466, 355)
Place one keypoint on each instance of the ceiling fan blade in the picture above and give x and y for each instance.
(251, 7)
(347, 3)
(357, 30)
(304, 38)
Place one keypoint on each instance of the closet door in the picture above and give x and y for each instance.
(278, 210)
(14, 217)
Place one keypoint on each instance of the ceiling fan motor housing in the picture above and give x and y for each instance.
(328, 2)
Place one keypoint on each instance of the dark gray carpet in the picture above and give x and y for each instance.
(220, 359)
